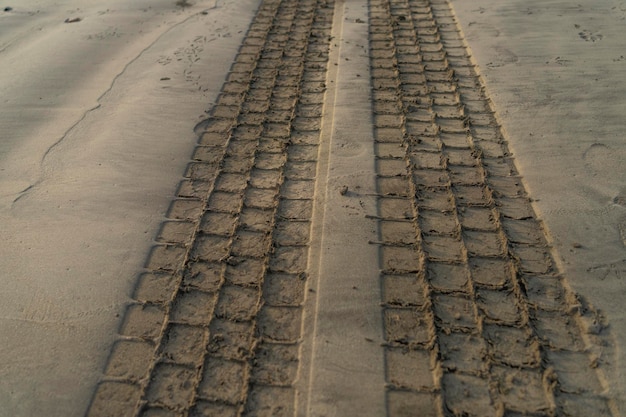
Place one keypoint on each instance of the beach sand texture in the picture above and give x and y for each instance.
(353, 233)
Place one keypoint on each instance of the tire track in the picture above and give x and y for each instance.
(215, 327)
(478, 321)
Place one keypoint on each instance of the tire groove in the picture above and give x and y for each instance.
(454, 150)
(201, 304)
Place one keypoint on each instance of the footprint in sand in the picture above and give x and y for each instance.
(503, 57)
(613, 270)
(602, 158)
(589, 36)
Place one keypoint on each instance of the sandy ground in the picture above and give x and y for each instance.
(555, 74)
(99, 131)
(97, 120)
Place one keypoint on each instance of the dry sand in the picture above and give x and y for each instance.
(555, 74)
(97, 120)
(263, 292)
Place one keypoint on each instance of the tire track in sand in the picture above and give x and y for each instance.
(478, 321)
(216, 321)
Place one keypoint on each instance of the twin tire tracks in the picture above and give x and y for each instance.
(448, 302)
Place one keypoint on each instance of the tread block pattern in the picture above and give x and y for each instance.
(215, 327)
(478, 320)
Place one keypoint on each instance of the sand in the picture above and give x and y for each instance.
(554, 72)
(352, 231)
(98, 122)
